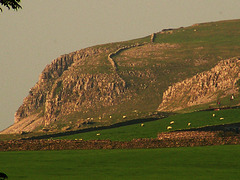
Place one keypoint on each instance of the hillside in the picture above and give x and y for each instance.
(116, 82)
(206, 87)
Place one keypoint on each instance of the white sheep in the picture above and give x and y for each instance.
(172, 122)
(189, 124)
(221, 118)
(169, 127)
(214, 115)
(98, 134)
(142, 125)
(124, 117)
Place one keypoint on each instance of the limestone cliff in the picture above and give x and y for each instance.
(203, 87)
(64, 88)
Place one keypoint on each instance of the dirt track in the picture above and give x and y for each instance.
(174, 139)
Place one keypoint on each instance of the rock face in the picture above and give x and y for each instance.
(38, 94)
(203, 87)
(64, 87)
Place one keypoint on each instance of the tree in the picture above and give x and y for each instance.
(10, 4)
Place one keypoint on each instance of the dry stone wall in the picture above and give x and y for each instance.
(164, 140)
(113, 63)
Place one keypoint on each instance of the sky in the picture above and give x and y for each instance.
(41, 31)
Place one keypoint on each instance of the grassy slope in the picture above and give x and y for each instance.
(215, 162)
(199, 48)
(151, 129)
(225, 102)
(218, 39)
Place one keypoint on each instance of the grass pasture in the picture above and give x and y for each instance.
(211, 162)
(151, 129)
(184, 53)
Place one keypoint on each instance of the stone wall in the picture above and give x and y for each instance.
(113, 63)
(173, 139)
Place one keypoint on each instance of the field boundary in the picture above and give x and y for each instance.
(114, 64)
(164, 140)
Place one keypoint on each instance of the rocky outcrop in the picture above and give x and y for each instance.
(84, 91)
(152, 37)
(203, 87)
(38, 94)
(69, 85)
(26, 124)
(64, 88)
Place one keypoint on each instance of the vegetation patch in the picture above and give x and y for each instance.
(151, 129)
(212, 162)
(58, 89)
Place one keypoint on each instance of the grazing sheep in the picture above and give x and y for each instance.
(172, 122)
(189, 124)
(98, 134)
(142, 125)
(221, 118)
(169, 127)
(124, 117)
(3, 176)
(214, 115)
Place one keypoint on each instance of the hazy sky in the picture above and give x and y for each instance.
(43, 30)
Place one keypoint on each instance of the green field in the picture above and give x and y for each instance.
(212, 162)
(151, 129)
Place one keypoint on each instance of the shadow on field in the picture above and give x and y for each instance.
(135, 121)
(233, 127)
